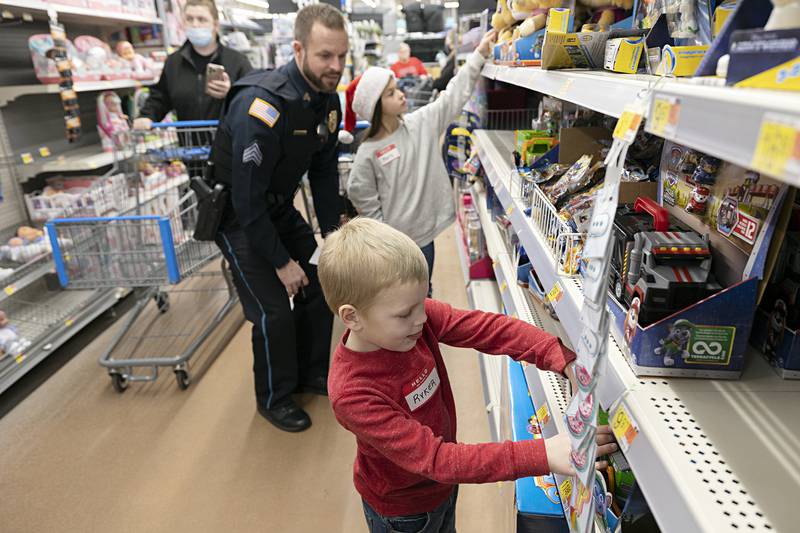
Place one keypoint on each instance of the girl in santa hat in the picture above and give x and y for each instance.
(398, 176)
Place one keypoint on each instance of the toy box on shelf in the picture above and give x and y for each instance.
(473, 241)
(776, 327)
(521, 45)
(685, 288)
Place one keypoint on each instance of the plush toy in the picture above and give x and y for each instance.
(607, 12)
(502, 18)
(532, 24)
(11, 342)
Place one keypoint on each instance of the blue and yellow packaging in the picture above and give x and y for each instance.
(558, 20)
(681, 60)
(766, 59)
(623, 55)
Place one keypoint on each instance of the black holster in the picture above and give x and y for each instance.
(211, 204)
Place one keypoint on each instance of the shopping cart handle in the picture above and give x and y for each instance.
(186, 124)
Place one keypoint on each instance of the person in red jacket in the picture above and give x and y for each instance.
(407, 65)
(388, 384)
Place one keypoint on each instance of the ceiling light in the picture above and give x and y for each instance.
(370, 3)
(451, 5)
(255, 3)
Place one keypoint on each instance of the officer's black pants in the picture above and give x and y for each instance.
(290, 347)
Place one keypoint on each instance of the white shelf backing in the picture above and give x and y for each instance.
(710, 456)
(726, 122)
(483, 296)
(494, 149)
(721, 121)
(605, 92)
(12, 92)
(79, 13)
(463, 259)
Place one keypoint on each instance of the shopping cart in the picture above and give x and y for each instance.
(419, 91)
(149, 247)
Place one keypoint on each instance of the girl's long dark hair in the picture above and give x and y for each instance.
(375, 124)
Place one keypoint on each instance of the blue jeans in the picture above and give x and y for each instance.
(440, 520)
(429, 254)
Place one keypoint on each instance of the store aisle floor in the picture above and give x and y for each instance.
(77, 456)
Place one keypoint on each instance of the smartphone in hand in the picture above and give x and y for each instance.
(215, 72)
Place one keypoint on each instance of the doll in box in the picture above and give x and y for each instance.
(139, 65)
(11, 342)
(112, 122)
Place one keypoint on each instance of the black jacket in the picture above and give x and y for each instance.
(182, 88)
(277, 128)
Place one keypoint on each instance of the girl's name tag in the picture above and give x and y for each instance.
(387, 154)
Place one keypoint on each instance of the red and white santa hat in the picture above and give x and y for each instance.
(369, 90)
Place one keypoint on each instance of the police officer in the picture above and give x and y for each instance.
(278, 125)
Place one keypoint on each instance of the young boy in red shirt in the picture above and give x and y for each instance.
(388, 384)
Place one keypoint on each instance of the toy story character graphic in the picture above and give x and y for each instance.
(675, 343)
(775, 330)
(631, 320)
(699, 201)
(728, 215)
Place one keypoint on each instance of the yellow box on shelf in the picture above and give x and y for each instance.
(623, 55)
(681, 61)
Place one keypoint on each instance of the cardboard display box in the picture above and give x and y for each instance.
(708, 338)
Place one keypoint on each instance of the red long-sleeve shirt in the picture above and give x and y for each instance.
(412, 67)
(400, 407)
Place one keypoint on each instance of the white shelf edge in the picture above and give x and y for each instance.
(722, 121)
(463, 260)
(111, 16)
(10, 93)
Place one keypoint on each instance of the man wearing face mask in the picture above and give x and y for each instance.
(277, 126)
(183, 86)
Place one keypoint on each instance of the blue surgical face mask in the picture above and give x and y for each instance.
(200, 37)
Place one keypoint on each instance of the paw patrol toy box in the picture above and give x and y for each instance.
(776, 329)
(686, 271)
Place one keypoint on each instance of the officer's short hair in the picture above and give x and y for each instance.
(325, 14)
(212, 7)
(363, 257)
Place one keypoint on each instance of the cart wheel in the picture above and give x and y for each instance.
(119, 382)
(183, 379)
(162, 301)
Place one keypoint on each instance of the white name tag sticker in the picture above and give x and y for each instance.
(422, 389)
(387, 154)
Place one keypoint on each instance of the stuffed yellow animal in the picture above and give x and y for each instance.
(606, 12)
(532, 24)
(502, 17)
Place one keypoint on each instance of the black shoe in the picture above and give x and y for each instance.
(318, 385)
(287, 416)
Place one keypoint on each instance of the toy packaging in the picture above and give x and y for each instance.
(709, 252)
(765, 59)
(776, 328)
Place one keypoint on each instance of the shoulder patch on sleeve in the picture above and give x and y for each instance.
(264, 111)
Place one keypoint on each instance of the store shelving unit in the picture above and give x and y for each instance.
(710, 456)
(41, 312)
(79, 13)
(721, 121)
(9, 93)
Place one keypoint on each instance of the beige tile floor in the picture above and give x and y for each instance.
(75, 456)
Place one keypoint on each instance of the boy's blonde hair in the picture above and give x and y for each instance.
(363, 257)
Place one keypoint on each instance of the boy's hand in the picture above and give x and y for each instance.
(487, 43)
(558, 451)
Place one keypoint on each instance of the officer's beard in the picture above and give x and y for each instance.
(318, 82)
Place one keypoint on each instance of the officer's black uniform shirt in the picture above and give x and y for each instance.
(272, 120)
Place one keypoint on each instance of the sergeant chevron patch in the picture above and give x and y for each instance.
(252, 154)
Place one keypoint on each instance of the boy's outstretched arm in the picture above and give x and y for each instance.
(499, 335)
(381, 424)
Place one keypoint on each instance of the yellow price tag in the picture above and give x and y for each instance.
(68, 322)
(543, 415)
(27, 158)
(556, 293)
(627, 126)
(565, 489)
(778, 147)
(624, 428)
(509, 210)
(44, 151)
(664, 116)
(503, 286)
(20, 358)
(10, 290)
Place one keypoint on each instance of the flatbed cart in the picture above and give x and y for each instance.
(150, 247)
